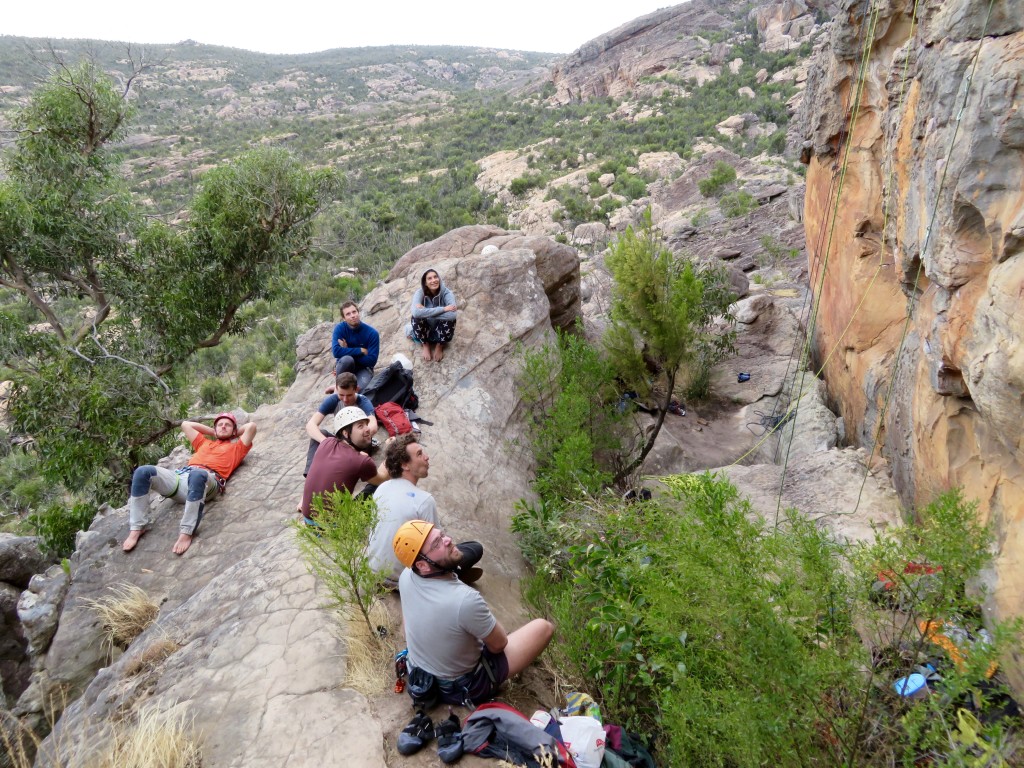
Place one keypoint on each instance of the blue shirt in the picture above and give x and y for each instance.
(331, 402)
(362, 336)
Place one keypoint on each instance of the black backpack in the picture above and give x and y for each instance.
(392, 385)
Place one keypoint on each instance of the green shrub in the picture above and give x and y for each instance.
(730, 642)
(577, 206)
(335, 552)
(774, 252)
(736, 204)
(247, 370)
(721, 175)
(214, 392)
(522, 184)
(263, 363)
(261, 390)
(700, 218)
(629, 186)
(285, 374)
(569, 393)
(57, 525)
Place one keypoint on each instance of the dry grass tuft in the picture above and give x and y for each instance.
(370, 658)
(18, 744)
(154, 653)
(125, 614)
(157, 740)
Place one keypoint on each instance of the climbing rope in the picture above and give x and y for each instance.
(866, 48)
(774, 421)
(924, 249)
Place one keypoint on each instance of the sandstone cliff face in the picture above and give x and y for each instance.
(925, 215)
(689, 40)
(612, 64)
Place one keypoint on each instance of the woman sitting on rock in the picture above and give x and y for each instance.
(433, 315)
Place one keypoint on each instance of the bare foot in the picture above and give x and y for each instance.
(132, 540)
(182, 544)
(426, 353)
(439, 353)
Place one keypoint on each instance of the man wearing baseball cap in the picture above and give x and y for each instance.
(218, 450)
(449, 628)
(341, 461)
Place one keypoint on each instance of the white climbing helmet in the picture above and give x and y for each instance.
(348, 415)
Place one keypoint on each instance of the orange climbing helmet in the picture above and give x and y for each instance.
(229, 416)
(409, 540)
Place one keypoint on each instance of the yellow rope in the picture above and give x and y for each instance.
(924, 248)
(858, 92)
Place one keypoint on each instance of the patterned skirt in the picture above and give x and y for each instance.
(432, 330)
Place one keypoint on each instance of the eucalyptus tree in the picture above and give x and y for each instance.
(103, 306)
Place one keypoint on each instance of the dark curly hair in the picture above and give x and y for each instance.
(398, 453)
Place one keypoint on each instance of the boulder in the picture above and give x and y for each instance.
(590, 233)
(243, 639)
(731, 126)
(826, 486)
(557, 265)
(660, 165)
(749, 309)
(20, 559)
(39, 608)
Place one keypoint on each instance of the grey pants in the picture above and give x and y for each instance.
(171, 485)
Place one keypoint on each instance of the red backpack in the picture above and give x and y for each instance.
(392, 417)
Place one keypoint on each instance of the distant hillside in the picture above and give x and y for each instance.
(428, 139)
(204, 81)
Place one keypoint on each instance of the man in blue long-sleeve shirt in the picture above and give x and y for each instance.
(355, 345)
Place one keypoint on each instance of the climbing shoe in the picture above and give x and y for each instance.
(449, 739)
(416, 734)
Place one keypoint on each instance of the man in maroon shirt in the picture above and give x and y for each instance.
(341, 461)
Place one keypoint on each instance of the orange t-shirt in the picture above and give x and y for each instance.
(222, 456)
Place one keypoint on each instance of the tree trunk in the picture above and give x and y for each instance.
(662, 410)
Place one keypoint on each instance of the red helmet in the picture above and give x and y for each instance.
(226, 415)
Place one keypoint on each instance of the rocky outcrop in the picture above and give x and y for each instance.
(20, 559)
(919, 255)
(243, 640)
(614, 63)
(556, 265)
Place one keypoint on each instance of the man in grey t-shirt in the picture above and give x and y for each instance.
(400, 500)
(449, 628)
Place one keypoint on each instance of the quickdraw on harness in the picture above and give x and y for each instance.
(222, 484)
(401, 669)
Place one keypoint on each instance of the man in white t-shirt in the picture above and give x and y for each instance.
(400, 500)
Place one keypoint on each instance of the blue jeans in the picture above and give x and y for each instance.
(348, 363)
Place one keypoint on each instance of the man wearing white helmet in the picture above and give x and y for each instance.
(218, 452)
(341, 461)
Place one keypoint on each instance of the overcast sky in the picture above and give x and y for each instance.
(304, 26)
